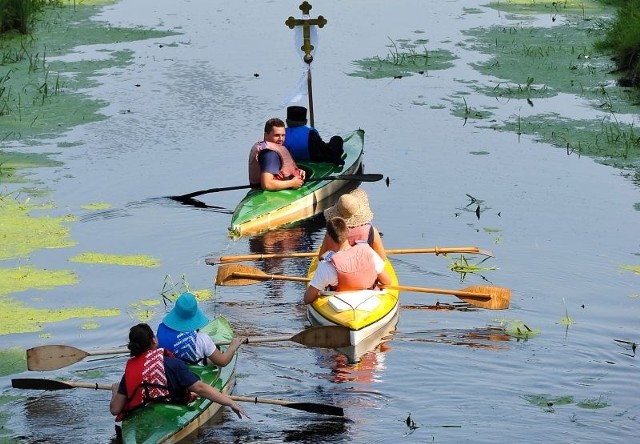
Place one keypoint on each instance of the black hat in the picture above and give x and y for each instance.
(296, 115)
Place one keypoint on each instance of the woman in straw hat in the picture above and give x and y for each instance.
(346, 267)
(353, 207)
(179, 334)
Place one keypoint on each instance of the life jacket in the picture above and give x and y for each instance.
(297, 142)
(362, 233)
(288, 167)
(181, 344)
(355, 267)
(146, 381)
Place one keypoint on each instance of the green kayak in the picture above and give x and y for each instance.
(262, 210)
(170, 423)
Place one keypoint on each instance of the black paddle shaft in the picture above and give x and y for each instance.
(353, 177)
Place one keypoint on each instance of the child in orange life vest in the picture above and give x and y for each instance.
(354, 208)
(179, 333)
(271, 166)
(346, 267)
(153, 374)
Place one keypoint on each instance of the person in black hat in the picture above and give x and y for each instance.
(305, 143)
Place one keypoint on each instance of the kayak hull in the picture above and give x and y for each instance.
(262, 210)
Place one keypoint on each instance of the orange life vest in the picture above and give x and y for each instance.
(288, 167)
(355, 267)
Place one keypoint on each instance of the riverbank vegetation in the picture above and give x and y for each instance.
(20, 15)
(623, 40)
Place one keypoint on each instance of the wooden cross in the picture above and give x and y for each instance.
(306, 24)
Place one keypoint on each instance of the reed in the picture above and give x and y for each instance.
(20, 15)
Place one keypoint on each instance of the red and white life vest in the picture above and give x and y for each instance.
(355, 267)
(287, 169)
(146, 380)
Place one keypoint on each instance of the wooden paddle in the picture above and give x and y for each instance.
(483, 296)
(51, 384)
(53, 357)
(353, 177)
(262, 256)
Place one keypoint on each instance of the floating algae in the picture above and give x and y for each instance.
(12, 361)
(634, 268)
(16, 318)
(22, 234)
(27, 277)
(96, 206)
(113, 259)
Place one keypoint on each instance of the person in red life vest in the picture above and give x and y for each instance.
(354, 208)
(179, 333)
(305, 143)
(271, 166)
(345, 267)
(152, 374)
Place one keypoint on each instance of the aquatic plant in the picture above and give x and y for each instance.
(566, 320)
(463, 267)
(403, 59)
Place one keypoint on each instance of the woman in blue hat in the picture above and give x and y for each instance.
(179, 334)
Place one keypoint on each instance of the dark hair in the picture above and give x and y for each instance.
(140, 339)
(337, 230)
(271, 123)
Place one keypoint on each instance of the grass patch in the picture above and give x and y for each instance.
(40, 98)
(404, 58)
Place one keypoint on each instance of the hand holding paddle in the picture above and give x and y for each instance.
(262, 256)
(53, 357)
(352, 177)
(50, 384)
(483, 296)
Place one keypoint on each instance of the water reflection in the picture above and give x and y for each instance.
(298, 238)
(361, 363)
(487, 337)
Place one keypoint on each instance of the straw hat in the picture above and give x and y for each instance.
(353, 207)
(186, 315)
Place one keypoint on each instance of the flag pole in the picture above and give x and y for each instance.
(307, 47)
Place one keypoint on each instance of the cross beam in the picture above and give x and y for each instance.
(306, 24)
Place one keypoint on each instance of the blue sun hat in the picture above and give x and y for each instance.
(186, 315)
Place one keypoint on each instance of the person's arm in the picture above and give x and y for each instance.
(311, 294)
(377, 244)
(206, 391)
(270, 168)
(222, 359)
(324, 276)
(118, 400)
(269, 182)
(383, 277)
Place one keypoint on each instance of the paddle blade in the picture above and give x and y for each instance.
(333, 336)
(226, 276)
(500, 297)
(40, 384)
(53, 357)
(321, 409)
